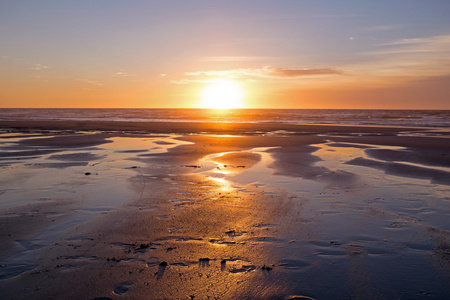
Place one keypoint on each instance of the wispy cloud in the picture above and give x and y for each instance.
(401, 62)
(187, 81)
(278, 72)
(428, 56)
(122, 73)
(389, 63)
(235, 58)
(91, 82)
(38, 67)
(234, 73)
(430, 42)
(257, 73)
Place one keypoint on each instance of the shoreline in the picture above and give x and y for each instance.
(204, 127)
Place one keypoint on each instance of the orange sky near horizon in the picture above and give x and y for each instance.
(265, 54)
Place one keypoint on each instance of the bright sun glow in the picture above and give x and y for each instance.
(222, 94)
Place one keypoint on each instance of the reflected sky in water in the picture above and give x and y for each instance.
(236, 222)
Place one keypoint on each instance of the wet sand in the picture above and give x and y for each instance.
(227, 211)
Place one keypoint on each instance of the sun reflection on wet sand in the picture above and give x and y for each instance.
(363, 219)
(224, 185)
(231, 225)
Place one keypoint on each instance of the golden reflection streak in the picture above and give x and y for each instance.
(224, 185)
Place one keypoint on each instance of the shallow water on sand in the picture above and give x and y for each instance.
(380, 236)
(228, 225)
(67, 187)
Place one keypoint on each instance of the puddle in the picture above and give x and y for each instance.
(258, 175)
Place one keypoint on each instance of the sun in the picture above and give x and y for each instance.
(222, 94)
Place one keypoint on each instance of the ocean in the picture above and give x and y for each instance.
(413, 118)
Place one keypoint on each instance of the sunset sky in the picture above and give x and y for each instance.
(385, 54)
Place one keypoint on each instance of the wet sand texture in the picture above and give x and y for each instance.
(332, 215)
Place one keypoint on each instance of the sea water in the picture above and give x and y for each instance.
(413, 118)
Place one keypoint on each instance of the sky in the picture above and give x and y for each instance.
(345, 54)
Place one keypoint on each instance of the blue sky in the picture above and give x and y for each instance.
(300, 53)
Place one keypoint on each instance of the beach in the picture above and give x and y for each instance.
(215, 210)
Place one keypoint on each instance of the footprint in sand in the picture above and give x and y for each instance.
(234, 233)
(243, 269)
(203, 262)
(161, 269)
(236, 266)
(122, 288)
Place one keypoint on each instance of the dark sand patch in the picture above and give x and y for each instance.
(33, 152)
(418, 142)
(79, 156)
(399, 169)
(73, 141)
(163, 143)
(61, 165)
(348, 145)
(132, 151)
(299, 161)
(433, 151)
(412, 155)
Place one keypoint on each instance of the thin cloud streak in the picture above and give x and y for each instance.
(262, 73)
(235, 58)
(427, 56)
(91, 82)
(278, 72)
(430, 41)
(122, 74)
(38, 67)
